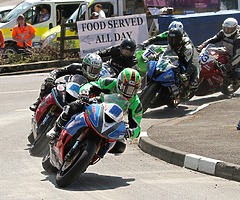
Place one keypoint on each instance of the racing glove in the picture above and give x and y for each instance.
(54, 74)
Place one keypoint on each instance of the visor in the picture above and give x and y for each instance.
(129, 90)
(174, 42)
(126, 52)
(92, 71)
(229, 30)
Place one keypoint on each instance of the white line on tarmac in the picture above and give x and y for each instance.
(198, 108)
(14, 92)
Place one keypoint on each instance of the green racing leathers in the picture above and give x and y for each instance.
(135, 111)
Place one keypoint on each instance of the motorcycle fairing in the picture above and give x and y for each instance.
(105, 120)
(151, 66)
(59, 94)
(43, 107)
(77, 121)
(166, 78)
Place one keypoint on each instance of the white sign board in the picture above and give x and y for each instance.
(98, 34)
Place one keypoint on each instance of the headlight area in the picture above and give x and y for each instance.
(49, 39)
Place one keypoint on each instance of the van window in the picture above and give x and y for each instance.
(16, 11)
(73, 17)
(65, 11)
(38, 14)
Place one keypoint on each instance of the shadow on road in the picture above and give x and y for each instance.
(184, 108)
(92, 182)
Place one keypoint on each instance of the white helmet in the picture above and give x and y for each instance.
(229, 26)
(177, 25)
(91, 66)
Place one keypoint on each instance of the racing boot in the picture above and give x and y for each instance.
(35, 105)
(56, 130)
(193, 82)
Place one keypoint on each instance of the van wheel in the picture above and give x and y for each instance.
(11, 49)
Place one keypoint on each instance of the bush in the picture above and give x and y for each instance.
(36, 54)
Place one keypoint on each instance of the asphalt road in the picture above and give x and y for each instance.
(133, 175)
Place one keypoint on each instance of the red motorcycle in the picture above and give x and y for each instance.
(213, 76)
(49, 109)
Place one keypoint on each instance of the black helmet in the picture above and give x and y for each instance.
(174, 38)
(128, 47)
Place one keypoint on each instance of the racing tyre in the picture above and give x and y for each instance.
(71, 169)
(11, 49)
(40, 145)
(231, 88)
(147, 95)
(31, 137)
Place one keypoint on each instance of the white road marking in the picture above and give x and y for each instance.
(20, 91)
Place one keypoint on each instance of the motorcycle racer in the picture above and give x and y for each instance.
(163, 36)
(90, 68)
(121, 56)
(127, 84)
(230, 36)
(187, 54)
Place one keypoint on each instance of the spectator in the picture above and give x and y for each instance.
(23, 33)
(98, 9)
(44, 15)
(36, 16)
(1, 40)
(94, 15)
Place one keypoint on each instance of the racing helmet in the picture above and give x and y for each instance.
(175, 37)
(176, 24)
(128, 47)
(128, 82)
(229, 26)
(91, 66)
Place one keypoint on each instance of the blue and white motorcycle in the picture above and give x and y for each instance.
(165, 82)
(84, 136)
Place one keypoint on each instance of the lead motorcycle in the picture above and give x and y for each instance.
(83, 136)
(50, 108)
(166, 85)
(213, 76)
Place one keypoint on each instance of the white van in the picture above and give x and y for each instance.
(4, 10)
(110, 7)
(58, 9)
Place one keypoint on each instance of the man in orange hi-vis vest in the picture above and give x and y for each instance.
(1, 40)
(23, 33)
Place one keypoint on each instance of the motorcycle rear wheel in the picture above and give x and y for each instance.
(79, 165)
(46, 164)
(147, 95)
(230, 88)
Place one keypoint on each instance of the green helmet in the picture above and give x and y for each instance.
(128, 82)
(91, 66)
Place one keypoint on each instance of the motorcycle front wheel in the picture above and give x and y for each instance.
(31, 137)
(80, 161)
(148, 95)
(40, 145)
